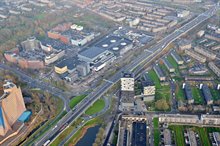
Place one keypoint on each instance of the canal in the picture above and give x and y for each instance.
(89, 138)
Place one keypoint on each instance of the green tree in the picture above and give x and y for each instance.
(162, 105)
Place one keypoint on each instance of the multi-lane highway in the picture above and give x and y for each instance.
(136, 66)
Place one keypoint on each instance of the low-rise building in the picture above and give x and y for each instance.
(213, 120)
(177, 58)
(192, 138)
(167, 137)
(214, 68)
(188, 93)
(177, 118)
(170, 68)
(216, 136)
(196, 56)
(198, 69)
(205, 53)
(159, 72)
(207, 94)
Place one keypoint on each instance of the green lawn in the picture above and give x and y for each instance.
(96, 107)
(163, 93)
(179, 93)
(215, 94)
(174, 64)
(212, 129)
(66, 132)
(75, 100)
(152, 74)
(197, 95)
(178, 132)
(156, 131)
(204, 136)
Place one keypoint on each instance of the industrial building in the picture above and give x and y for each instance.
(159, 72)
(170, 68)
(32, 54)
(205, 53)
(132, 131)
(196, 56)
(67, 65)
(214, 68)
(117, 45)
(188, 93)
(11, 109)
(69, 33)
(139, 134)
(96, 57)
(177, 58)
(207, 94)
(83, 69)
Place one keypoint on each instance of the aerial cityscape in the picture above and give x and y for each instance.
(109, 73)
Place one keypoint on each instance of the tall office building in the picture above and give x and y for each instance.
(127, 82)
(11, 107)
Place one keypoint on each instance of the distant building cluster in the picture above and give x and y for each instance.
(69, 33)
(18, 7)
(142, 15)
(32, 54)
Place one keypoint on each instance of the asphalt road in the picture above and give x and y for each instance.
(145, 57)
(41, 85)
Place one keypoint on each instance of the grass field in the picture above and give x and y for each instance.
(173, 63)
(152, 74)
(178, 132)
(179, 93)
(163, 93)
(197, 96)
(156, 131)
(215, 94)
(75, 100)
(96, 107)
(66, 132)
(204, 136)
